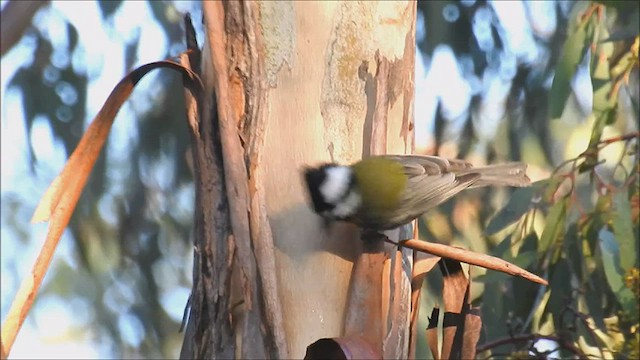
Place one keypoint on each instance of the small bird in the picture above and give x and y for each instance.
(387, 191)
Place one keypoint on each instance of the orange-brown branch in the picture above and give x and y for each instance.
(472, 258)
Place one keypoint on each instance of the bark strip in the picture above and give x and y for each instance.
(251, 336)
(213, 254)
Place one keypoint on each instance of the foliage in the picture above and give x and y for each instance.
(130, 231)
(578, 227)
(588, 246)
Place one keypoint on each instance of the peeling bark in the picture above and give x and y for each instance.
(287, 92)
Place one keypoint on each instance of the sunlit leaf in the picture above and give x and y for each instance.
(554, 226)
(625, 61)
(602, 53)
(552, 188)
(518, 205)
(603, 99)
(574, 49)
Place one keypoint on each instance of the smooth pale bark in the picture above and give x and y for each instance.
(318, 112)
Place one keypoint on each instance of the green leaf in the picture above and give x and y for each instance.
(621, 66)
(573, 51)
(573, 250)
(524, 259)
(561, 291)
(623, 231)
(518, 205)
(530, 242)
(620, 5)
(603, 100)
(502, 249)
(595, 301)
(554, 226)
(496, 301)
(492, 277)
(613, 271)
(603, 52)
(552, 186)
(604, 118)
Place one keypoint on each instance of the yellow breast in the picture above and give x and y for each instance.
(381, 182)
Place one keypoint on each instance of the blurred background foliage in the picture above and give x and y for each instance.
(562, 97)
(543, 82)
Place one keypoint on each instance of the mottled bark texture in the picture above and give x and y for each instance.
(290, 84)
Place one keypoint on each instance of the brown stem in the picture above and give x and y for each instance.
(624, 137)
(472, 258)
(15, 19)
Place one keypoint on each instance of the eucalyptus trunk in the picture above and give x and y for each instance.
(291, 84)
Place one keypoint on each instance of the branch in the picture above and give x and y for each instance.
(60, 199)
(15, 18)
(472, 258)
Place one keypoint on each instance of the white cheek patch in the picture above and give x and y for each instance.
(348, 206)
(335, 184)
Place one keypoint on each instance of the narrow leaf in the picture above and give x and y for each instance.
(613, 272)
(518, 205)
(554, 226)
(560, 290)
(626, 238)
(573, 51)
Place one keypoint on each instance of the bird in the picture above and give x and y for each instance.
(387, 191)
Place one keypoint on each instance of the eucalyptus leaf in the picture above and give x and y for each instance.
(554, 226)
(574, 49)
(622, 225)
(561, 291)
(518, 205)
(613, 271)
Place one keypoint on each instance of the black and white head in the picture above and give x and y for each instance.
(333, 191)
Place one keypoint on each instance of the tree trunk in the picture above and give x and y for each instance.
(295, 84)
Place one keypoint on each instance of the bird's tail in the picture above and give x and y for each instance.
(510, 174)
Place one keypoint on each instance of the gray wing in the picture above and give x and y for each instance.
(416, 165)
(509, 174)
(432, 181)
(427, 191)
